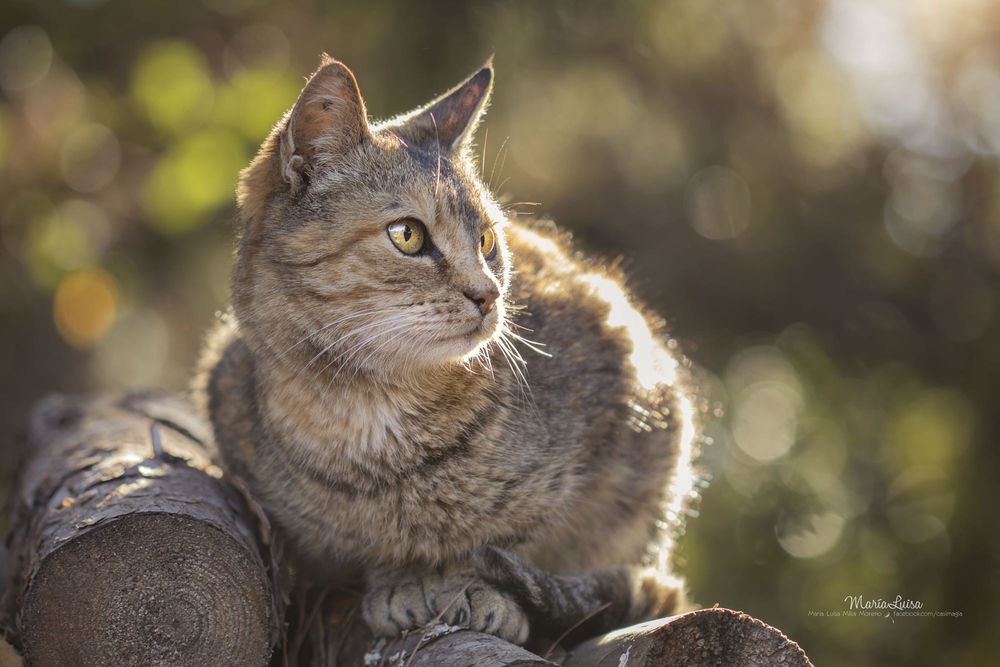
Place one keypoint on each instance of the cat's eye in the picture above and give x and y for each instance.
(488, 243)
(408, 235)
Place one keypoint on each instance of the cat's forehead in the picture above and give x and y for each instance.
(451, 182)
(428, 174)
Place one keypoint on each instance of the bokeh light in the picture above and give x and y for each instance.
(25, 57)
(718, 203)
(84, 306)
(193, 179)
(807, 190)
(172, 87)
(90, 157)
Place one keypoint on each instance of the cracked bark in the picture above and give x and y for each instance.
(128, 546)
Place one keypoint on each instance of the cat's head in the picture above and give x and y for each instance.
(373, 247)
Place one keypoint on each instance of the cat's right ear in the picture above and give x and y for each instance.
(327, 120)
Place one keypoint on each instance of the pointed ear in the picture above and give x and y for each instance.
(451, 119)
(327, 120)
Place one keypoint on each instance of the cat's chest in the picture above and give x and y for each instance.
(346, 424)
(376, 434)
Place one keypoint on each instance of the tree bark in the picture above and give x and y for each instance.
(128, 548)
(706, 637)
(703, 638)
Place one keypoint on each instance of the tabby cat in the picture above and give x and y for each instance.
(376, 387)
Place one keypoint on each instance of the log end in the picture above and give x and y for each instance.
(147, 589)
(704, 637)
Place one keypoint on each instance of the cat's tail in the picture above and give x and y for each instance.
(584, 605)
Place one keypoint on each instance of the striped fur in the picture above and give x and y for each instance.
(391, 428)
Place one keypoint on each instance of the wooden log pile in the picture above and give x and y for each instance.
(129, 546)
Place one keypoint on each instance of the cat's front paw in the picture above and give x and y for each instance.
(403, 602)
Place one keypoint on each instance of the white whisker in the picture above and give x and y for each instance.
(532, 344)
(354, 349)
(375, 351)
(517, 366)
(437, 140)
(352, 316)
(355, 332)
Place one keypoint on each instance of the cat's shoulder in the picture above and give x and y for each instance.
(540, 245)
(547, 266)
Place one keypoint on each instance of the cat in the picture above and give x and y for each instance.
(376, 387)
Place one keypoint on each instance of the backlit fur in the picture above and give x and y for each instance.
(380, 418)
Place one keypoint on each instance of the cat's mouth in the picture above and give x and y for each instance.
(482, 331)
(461, 342)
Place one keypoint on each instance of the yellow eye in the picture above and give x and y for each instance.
(488, 243)
(408, 235)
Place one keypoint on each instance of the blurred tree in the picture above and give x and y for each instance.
(808, 189)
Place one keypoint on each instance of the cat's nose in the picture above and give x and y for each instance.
(484, 297)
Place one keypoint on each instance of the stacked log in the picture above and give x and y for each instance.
(130, 546)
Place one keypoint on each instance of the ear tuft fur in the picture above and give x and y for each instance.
(450, 120)
(328, 119)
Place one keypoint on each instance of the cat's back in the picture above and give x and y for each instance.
(607, 395)
(594, 340)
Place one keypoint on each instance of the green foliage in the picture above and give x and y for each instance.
(193, 179)
(171, 86)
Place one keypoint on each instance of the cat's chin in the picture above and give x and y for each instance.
(461, 347)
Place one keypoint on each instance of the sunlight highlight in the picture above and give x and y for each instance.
(652, 364)
(818, 536)
(653, 367)
(682, 485)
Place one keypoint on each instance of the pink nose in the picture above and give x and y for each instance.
(484, 298)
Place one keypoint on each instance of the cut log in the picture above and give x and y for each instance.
(707, 637)
(338, 637)
(127, 547)
(704, 638)
(451, 646)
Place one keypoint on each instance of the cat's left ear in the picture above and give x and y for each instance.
(451, 119)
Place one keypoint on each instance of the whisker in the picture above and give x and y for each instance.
(437, 140)
(377, 349)
(514, 358)
(481, 357)
(486, 359)
(495, 158)
(357, 348)
(515, 363)
(349, 352)
(343, 338)
(399, 139)
(335, 322)
(532, 344)
(482, 158)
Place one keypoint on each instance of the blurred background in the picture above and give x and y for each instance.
(808, 190)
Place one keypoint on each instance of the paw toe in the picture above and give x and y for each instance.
(388, 610)
(496, 614)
